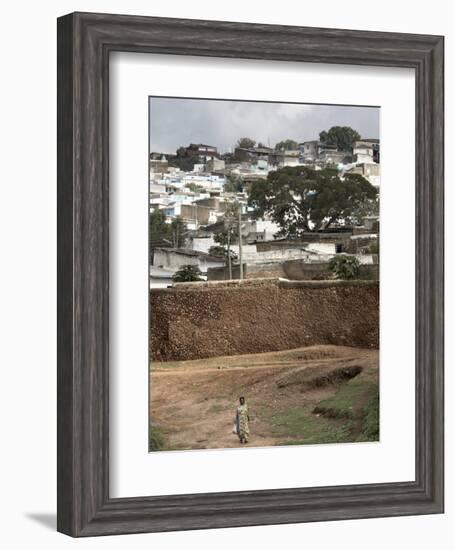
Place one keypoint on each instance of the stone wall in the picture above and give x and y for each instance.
(197, 320)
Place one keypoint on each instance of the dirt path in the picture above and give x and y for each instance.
(193, 402)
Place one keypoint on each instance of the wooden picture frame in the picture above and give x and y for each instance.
(84, 43)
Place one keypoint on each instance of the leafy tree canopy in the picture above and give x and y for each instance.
(222, 238)
(246, 143)
(286, 145)
(234, 184)
(166, 234)
(221, 251)
(341, 136)
(187, 273)
(183, 160)
(300, 199)
(230, 232)
(178, 232)
(186, 164)
(159, 229)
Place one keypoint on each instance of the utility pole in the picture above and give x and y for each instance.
(229, 252)
(240, 241)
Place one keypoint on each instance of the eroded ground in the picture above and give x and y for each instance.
(317, 394)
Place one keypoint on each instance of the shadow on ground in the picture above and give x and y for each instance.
(47, 520)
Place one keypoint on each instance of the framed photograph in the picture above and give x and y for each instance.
(250, 274)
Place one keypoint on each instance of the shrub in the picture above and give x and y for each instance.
(187, 273)
(156, 438)
(345, 267)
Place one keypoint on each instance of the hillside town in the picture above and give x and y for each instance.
(208, 220)
(264, 274)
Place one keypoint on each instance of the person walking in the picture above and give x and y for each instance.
(242, 421)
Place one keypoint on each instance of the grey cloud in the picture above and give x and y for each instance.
(175, 122)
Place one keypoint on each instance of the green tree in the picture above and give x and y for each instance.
(341, 136)
(183, 161)
(368, 208)
(186, 164)
(344, 267)
(194, 187)
(187, 273)
(159, 230)
(245, 143)
(300, 199)
(166, 234)
(178, 232)
(286, 145)
(221, 251)
(234, 184)
(218, 251)
(227, 236)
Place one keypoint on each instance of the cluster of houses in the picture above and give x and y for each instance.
(198, 184)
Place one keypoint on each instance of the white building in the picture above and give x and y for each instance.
(215, 164)
(160, 278)
(206, 181)
(286, 158)
(309, 151)
(363, 151)
(203, 244)
(172, 259)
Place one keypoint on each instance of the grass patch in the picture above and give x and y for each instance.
(351, 414)
(371, 420)
(156, 438)
(349, 401)
(358, 401)
(304, 428)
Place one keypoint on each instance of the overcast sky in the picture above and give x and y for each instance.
(175, 122)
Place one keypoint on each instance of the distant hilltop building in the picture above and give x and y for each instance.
(290, 157)
(364, 151)
(206, 152)
(215, 165)
(253, 154)
(315, 152)
(310, 150)
(265, 157)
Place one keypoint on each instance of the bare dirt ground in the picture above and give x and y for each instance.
(192, 403)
